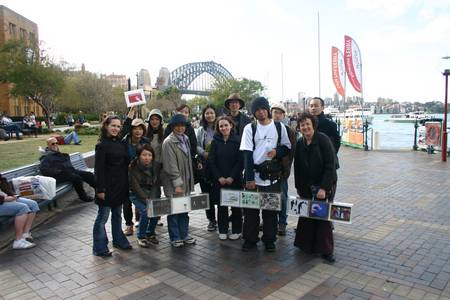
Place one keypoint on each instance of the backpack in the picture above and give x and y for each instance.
(269, 169)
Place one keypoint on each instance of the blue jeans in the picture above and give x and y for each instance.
(282, 215)
(12, 128)
(100, 240)
(19, 207)
(73, 136)
(146, 225)
(178, 226)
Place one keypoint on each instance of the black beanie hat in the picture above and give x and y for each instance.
(260, 102)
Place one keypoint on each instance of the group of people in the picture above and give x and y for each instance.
(133, 161)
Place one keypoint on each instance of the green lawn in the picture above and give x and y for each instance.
(14, 154)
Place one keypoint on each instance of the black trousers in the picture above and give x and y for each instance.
(269, 217)
(77, 177)
(224, 220)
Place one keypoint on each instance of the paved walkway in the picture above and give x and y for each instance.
(398, 247)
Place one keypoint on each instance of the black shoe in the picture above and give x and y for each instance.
(129, 247)
(104, 254)
(212, 226)
(247, 246)
(329, 258)
(270, 247)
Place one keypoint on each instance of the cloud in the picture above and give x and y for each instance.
(386, 8)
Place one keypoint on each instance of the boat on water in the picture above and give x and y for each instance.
(331, 111)
(357, 113)
(408, 117)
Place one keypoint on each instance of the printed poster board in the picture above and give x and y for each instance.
(305, 208)
(134, 97)
(246, 199)
(177, 205)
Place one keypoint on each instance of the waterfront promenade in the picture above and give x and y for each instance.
(398, 247)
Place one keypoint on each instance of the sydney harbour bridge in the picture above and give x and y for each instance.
(198, 78)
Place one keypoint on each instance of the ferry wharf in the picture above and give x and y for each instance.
(398, 247)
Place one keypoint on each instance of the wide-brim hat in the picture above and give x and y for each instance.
(178, 119)
(234, 97)
(137, 122)
(154, 111)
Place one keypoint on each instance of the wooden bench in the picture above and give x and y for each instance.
(78, 162)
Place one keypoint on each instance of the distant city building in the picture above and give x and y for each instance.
(144, 81)
(163, 79)
(118, 81)
(17, 27)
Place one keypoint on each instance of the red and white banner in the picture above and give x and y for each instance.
(338, 70)
(353, 65)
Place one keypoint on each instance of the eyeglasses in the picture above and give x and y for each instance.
(53, 144)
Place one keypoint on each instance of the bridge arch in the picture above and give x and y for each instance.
(183, 76)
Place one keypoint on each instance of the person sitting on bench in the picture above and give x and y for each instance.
(58, 165)
(9, 126)
(29, 122)
(24, 210)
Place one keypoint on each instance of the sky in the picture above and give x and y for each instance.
(402, 42)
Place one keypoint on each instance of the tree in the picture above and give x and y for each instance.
(247, 88)
(85, 91)
(32, 74)
(166, 100)
(197, 103)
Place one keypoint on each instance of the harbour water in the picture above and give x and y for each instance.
(395, 136)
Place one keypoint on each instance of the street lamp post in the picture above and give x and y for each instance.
(444, 132)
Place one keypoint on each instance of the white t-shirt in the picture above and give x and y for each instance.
(266, 139)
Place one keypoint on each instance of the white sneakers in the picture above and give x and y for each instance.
(233, 236)
(22, 244)
(27, 236)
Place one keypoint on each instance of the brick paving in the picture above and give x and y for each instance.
(398, 247)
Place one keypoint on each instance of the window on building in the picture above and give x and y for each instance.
(23, 34)
(32, 38)
(12, 30)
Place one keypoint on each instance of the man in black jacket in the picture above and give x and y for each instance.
(234, 104)
(58, 165)
(326, 125)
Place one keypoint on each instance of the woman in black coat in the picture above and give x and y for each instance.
(111, 172)
(315, 177)
(226, 164)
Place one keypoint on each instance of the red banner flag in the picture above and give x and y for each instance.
(353, 65)
(338, 70)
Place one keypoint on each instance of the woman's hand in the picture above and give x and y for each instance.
(10, 198)
(222, 181)
(229, 180)
(321, 194)
(179, 190)
(131, 113)
(101, 196)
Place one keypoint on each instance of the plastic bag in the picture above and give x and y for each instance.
(35, 187)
